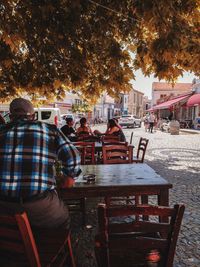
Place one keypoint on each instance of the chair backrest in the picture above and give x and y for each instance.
(110, 138)
(87, 151)
(142, 146)
(17, 241)
(113, 154)
(147, 241)
(113, 142)
(88, 138)
(131, 138)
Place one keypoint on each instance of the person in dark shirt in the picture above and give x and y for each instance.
(68, 129)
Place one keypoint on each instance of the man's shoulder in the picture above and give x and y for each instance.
(64, 127)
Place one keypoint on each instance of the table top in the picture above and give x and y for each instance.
(117, 180)
(120, 174)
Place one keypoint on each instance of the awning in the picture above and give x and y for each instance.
(194, 100)
(172, 102)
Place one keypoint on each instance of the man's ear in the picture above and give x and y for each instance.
(11, 117)
(32, 117)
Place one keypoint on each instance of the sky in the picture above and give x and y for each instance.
(144, 84)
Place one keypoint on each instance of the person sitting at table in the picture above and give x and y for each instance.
(68, 130)
(113, 128)
(29, 150)
(84, 129)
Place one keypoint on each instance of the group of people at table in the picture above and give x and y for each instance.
(113, 128)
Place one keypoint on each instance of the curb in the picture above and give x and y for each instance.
(190, 131)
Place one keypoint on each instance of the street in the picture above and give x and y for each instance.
(177, 159)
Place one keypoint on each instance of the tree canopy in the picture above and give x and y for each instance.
(91, 46)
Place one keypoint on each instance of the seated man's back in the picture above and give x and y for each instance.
(29, 150)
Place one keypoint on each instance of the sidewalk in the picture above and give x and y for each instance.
(190, 131)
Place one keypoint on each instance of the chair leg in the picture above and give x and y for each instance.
(71, 252)
(107, 201)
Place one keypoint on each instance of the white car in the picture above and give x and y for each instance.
(49, 115)
(129, 121)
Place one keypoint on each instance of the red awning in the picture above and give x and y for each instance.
(172, 102)
(194, 100)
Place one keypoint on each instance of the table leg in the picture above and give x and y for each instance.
(144, 200)
(163, 200)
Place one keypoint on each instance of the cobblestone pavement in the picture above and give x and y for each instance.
(177, 159)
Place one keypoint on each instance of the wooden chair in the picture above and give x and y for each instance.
(118, 154)
(110, 138)
(142, 146)
(131, 138)
(115, 154)
(19, 246)
(114, 142)
(87, 151)
(137, 242)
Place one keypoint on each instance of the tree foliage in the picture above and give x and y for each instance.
(49, 46)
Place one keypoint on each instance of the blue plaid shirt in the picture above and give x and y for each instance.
(28, 151)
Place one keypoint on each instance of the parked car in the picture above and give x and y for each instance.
(129, 121)
(49, 115)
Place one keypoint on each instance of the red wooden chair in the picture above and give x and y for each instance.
(123, 241)
(114, 142)
(19, 246)
(141, 150)
(87, 151)
(110, 138)
(116, 154)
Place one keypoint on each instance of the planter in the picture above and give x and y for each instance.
(174, 127)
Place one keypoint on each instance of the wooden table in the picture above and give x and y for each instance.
(120, 180)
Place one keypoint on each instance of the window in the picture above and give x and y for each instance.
(163, 96)
(45, 115)
(36, 115)
(78, 102)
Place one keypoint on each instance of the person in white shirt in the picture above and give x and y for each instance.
(151, 122)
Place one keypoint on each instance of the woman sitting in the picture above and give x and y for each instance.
(84, 129)
(113, 128)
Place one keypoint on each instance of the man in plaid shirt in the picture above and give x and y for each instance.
(28, 150)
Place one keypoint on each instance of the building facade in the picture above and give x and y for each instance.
(135, 103)
(162, 91)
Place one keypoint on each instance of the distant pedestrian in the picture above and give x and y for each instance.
(146, 122)
(151, 120)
